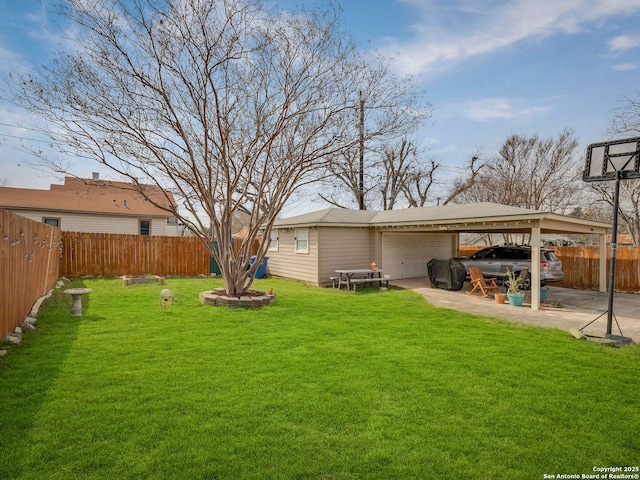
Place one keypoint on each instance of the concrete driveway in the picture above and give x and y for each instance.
(565, 309)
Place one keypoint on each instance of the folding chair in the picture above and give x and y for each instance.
(481, 284)
(524, 283)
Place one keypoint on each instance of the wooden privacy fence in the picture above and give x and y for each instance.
(29, 255)
(113, 255)
(580, 266)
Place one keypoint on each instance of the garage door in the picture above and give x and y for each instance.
(405, 255)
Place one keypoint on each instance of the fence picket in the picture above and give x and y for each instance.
(113, 255)
(29, 266)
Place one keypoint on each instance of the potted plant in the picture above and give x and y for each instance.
(514, 294)
(544, 294)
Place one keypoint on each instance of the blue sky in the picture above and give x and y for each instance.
(490, 68)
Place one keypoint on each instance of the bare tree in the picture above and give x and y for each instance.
(342, 180)
(394, 176)
(419, 183)
(464, 183)
(626, 117)
(362, 173)
(228, 105)
(625, 121)
(530, 172)
(396, 168)
(628, 203)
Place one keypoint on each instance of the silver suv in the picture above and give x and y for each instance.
(494, 261)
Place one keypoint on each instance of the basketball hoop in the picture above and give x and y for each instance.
(608, 161)
(615, 160)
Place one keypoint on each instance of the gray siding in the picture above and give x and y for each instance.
(330, 249)
(285, 262)
(80, 222)
(343, 248)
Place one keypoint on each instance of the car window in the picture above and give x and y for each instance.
(550, 256)
(511, 254)
(487, 253)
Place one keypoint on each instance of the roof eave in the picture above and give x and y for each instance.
(322, 224)
(87, 212)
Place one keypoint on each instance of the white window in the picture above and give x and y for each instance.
(273, 241)
(302, 241)
(144, 227)
(54, 222)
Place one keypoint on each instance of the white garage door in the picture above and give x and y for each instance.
(405, 255)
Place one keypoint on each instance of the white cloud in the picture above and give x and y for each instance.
(10, 61)
(623, 42)
(625, 67)
(499, 108)
(490, 26)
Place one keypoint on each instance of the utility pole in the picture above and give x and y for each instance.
(361, 173)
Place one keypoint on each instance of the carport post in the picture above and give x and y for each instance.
(535, 271)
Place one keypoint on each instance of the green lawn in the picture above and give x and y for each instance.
(322, 384)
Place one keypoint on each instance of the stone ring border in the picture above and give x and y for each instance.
(218, 297)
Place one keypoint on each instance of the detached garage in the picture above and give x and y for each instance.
(311, 247)
(405, 255)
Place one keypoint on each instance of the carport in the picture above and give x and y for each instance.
(491, 218)
(312, 246)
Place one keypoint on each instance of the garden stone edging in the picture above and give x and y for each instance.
(218, 297)
(29, 323)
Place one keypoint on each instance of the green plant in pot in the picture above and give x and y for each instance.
(514, 293)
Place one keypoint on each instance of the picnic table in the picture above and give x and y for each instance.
(359, 276)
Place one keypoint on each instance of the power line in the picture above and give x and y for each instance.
(453, 169)
(18, 137)
(6, 135)
(14, 126)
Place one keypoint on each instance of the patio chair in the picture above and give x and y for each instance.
(522, 279)
(481, 284)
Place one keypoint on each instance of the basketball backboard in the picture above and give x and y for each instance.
(604, 159)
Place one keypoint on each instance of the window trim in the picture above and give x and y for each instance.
(140, 227)
(274, 240)
(57, 219)
(298, 248)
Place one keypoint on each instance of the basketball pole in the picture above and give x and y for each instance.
(612, 160)
(614, 249)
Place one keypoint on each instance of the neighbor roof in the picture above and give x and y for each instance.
(460, 217)
(330, 216)
(88, 196)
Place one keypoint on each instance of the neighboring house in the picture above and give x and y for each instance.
(311, 247)
(94, 205)
(623, 239)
